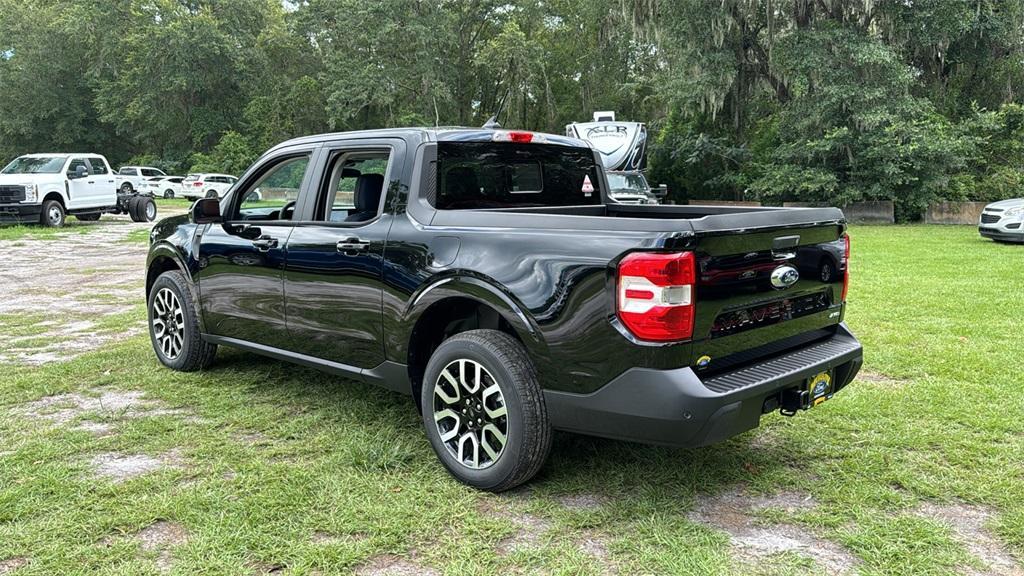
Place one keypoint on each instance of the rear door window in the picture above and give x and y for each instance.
(98, 166)
(481, 175)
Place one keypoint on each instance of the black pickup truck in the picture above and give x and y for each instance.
(486, 274)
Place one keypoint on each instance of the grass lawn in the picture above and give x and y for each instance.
(260, 466)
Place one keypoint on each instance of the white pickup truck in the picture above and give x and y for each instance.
(46, 188)
(131, 178)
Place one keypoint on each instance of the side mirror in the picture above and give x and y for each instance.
(80, 172)
(206, 211)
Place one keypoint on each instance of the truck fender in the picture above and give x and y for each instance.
(473, 288)
(165, 251)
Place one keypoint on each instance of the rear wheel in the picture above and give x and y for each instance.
(174, 325)
(168, 194)
(127, 188)
(211, 193)
(484, 412)
(148, 209)
(53, 214)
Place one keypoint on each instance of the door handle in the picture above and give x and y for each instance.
(92, 181)
(352, 246)
(265, 243)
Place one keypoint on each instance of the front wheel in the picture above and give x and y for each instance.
(484, 412)
(174, 325)
(53, 214)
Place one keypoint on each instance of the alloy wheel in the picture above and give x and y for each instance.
(470, 414)
(168, 323)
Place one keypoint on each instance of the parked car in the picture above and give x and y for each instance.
(163, 186)
(206, 185)
(45, 188)
(1003, 221)
(487, 274)
(131, 178)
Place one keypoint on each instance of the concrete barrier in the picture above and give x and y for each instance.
(723, 203)
(870, 212)
(954, 213)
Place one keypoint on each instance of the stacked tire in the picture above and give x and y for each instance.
(142, 209)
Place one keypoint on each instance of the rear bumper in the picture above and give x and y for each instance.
(675, 407)
(20, 212)
(1003, 234)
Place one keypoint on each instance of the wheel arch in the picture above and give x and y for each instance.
(164, 258)
(55, 195)
(454, 305)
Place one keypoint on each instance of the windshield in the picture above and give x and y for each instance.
(36, 165)
(631, 182)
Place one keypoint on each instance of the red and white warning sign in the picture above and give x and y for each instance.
(588, 186)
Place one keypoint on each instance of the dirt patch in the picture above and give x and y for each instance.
(530, 530)
(11, 564)
(161, 536)
(734, 513)
(392, 565)
(115, 404)
(89, 273)
(880, 380)
(967, 523)
(118, 467)
(583, 502)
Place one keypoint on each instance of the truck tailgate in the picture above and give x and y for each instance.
(765, 282)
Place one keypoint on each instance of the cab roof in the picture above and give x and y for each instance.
(433, 134)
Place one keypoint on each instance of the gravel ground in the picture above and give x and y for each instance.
(59, 289)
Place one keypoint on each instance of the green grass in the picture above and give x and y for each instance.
(37, 232)
(279, 453)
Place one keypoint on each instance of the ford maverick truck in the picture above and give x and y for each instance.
(486, 274)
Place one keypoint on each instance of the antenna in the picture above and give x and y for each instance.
(492, 123)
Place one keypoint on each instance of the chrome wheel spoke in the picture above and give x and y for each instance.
(470, 413)
(464, 440)
(168, 323)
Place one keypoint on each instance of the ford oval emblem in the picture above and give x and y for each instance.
(784, 276)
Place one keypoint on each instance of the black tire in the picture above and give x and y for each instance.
(527, 428)
(194, 353)
(147, 209)
(168, 194)
(827, 271)
(53, 214)
(88, 217)
(211, 194)
(127, 188)
(133, 208)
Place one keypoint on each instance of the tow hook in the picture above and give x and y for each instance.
(794, 399)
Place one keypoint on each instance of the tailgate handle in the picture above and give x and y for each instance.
(782, 247)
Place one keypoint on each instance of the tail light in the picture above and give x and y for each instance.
(519, 137)
(846, 265)
(197, 184)
(655, 299)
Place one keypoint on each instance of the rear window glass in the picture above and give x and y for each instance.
(477, 175)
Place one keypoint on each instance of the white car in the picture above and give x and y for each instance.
(163, 186)
(1003, 221)
(131, 178)
(46, 188)
(206, 185)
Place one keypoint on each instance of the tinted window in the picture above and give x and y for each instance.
(150, 172)
(98, 166)
(127, 172)
(475, 175)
